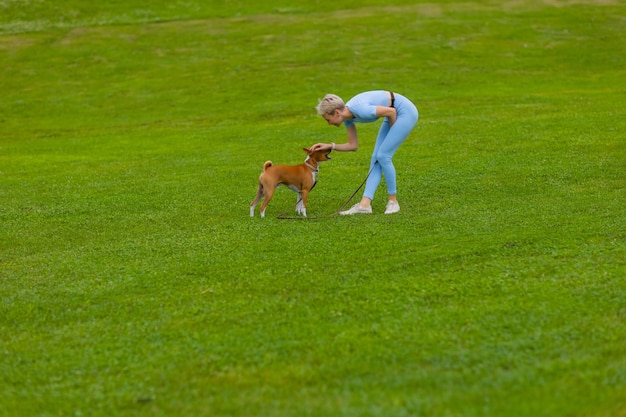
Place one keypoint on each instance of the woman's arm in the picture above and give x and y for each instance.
(390, 112)
(353, 141)
(350, 146)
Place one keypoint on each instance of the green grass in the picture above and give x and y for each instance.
(133, 281)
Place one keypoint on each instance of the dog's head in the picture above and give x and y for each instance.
(318, 156)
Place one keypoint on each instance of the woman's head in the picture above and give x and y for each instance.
(329, 104)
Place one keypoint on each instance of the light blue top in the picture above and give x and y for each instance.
(363, 106)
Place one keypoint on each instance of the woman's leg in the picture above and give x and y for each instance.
(376, 171)
(396, 136)
(388, 141)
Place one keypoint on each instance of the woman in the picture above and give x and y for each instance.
(400, 118)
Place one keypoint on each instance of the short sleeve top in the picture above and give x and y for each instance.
(363, 106)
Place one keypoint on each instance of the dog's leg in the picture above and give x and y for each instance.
(305, 195)
(257, 198)
(269, 193)
(299, 203)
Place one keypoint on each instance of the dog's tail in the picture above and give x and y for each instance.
(266, 165)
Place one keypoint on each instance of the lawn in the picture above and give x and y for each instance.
(133, 281)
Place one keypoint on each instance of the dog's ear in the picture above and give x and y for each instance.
(308, 151)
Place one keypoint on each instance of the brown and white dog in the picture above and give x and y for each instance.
(300, 178)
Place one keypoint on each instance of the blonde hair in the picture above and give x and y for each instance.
(329, 104)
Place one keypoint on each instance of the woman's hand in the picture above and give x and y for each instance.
(321, 146)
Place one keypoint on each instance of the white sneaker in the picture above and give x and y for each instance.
(357, 209)
(392, 207)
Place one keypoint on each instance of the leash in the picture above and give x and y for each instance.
(283, 215)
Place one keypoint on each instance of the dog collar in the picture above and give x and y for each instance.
(306, 162)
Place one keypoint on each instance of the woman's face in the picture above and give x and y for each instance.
(333, 118)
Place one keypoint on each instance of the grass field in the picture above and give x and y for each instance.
(134, 283)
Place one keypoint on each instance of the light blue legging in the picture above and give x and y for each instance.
(387, 143)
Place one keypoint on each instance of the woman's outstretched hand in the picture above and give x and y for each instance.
(321, 146)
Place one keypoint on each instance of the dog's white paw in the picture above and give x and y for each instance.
(263, 214)
(251, 211)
